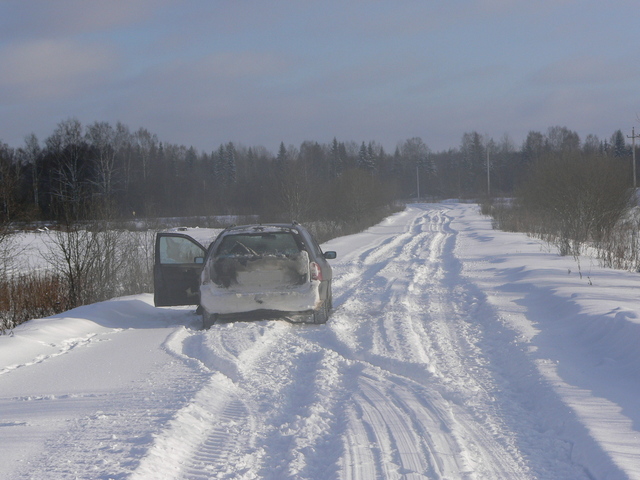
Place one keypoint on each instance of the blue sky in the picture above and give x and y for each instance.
(202, 73)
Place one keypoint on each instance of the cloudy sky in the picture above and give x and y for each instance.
(204, 72)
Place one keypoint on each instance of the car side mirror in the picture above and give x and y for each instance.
(199, 260)
(330, 255)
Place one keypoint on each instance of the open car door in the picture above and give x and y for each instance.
(176, 271)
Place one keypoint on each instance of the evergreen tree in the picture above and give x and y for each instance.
(371, 157)
(281, 159)
(474, 163)
(619, 144)
(396, 169)
(362, 156)
(230, 164)
(365, 160)
(335, 159)
(219, 165)
(191, 158)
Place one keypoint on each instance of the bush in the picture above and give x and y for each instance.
(87, 265)
(570, 200)
(98, 262)
(28, 296)
(621, 247)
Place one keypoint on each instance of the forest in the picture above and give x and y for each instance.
(79, 170)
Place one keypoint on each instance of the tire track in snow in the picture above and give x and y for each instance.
(107, 440)
(382, 293)
(395, 385)
(448, 320)
(358, 408)
(249, 365)
(215, 432)
(417, 332)
(399, 423)
(270, 391)
(400, 427)
(359, 271)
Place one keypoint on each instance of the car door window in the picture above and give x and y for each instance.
(178, 250)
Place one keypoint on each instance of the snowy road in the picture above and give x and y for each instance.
(440, 361)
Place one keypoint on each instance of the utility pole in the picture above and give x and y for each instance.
(488, 174)
(633, 153)
(418, 179)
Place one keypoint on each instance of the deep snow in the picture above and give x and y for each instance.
(454, 351)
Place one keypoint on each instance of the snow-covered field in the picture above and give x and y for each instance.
(454, 352)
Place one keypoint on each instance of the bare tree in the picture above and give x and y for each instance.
(99, 261)
(561, 139)
(147, 144)
(68, 146)
(124, 152)
(293, 183)
(102, 137)
(592, 145)
(9, 179)
(72, 253)
(32, 153)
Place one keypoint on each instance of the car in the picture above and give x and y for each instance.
(266, 269)
(248, 271)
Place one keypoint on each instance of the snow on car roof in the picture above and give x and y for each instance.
(258, 228)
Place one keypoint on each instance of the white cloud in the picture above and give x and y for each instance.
(239, 65)
(52, 69)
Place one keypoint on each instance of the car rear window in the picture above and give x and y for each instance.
(279, 243)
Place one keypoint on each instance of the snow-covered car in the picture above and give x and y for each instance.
(266, 269)
(270, 269)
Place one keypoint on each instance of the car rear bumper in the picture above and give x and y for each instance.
(220, 300)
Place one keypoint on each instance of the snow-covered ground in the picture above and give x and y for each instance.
(454, 352)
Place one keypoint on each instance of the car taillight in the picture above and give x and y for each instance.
(315, 272)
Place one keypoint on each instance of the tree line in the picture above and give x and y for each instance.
(133, 174)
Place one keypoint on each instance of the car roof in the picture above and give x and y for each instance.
(260, 228)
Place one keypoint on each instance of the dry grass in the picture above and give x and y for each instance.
(28, 296)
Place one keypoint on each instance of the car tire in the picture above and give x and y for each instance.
(208, 319)
(321, 315)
